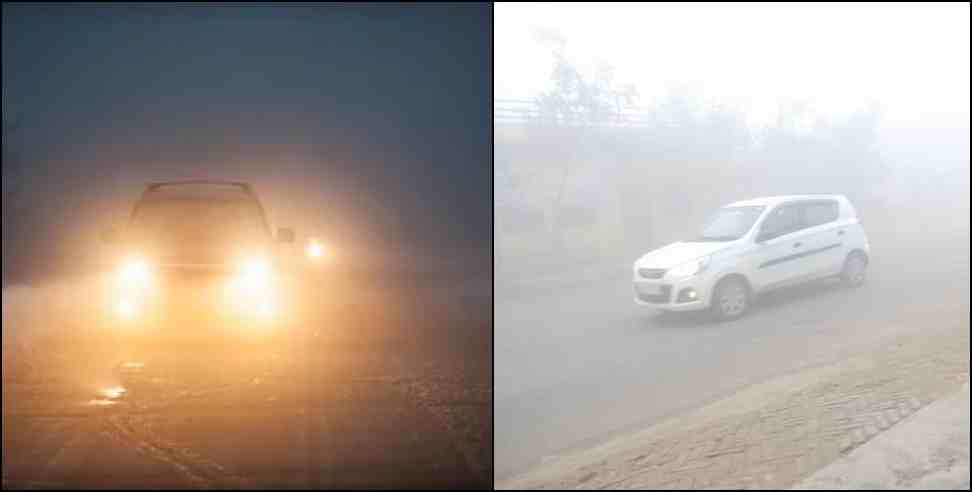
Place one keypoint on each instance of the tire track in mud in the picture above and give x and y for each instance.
(61, 451)
(67, 452)
(196, 469)
(36, 452)
(132, 426)
(57, 459)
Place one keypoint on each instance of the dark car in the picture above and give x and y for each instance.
(199, 267)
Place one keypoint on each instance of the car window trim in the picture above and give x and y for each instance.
(778, 206)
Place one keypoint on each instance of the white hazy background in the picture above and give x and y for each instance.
(911, 59)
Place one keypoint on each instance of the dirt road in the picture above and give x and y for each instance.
(378, 403)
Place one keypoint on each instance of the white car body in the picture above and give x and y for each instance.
(813, 251)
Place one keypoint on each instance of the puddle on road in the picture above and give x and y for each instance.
(135, 378)
(108, 397)
(114, 393)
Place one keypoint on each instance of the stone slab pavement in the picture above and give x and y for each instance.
(776, 434)
(927, 451)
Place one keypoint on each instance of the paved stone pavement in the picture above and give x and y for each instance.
(773, 435)
(927, 451)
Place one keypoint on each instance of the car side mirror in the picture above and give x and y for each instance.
(286, 235)
(110, 236)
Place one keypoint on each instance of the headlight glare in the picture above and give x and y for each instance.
(315, 251)
(254, 288)
(255, 276)
(127, 309)
(135, 274)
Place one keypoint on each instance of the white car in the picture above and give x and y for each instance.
(750, 247)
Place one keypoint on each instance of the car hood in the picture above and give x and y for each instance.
(678, 253)
(211, 252)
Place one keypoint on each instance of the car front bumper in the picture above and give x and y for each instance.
(200, 312)
(673, 294)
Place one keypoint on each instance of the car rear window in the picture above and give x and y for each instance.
(817, 213)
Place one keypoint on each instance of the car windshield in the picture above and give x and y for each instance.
(196, 221)
(729, 224)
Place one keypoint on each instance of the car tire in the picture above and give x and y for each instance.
(854, 272)
(730, 299)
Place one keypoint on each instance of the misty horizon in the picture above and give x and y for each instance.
(833, 59)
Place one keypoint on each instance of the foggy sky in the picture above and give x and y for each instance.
(910, 59)
(370, 123)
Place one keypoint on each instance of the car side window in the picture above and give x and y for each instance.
(819, 213)
(781, 221)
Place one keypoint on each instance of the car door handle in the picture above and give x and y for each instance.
(797, 245)
(840, 233)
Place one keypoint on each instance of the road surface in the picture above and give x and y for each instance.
(578, 366)
(382, 401)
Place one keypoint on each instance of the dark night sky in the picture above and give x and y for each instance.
(369, 125)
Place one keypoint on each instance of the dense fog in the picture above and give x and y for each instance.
(587, 148)
(620, 128)
(382, 151)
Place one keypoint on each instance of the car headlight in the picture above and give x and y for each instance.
(255, 275)
(690, 269)
(135, 274)
(133, 283)
(315, 251)
(254, 290)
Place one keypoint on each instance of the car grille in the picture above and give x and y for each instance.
(188, 282)
(664, 297)
(186, 289)
(651, 273)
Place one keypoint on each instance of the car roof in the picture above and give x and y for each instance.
(200, 190)
(770, 201)
(205, 191)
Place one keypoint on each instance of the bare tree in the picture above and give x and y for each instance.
(579, 101)
(578, 107)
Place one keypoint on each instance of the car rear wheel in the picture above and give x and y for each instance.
(730, 299)
(855, 270)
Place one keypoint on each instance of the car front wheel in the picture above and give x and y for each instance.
(730, 299)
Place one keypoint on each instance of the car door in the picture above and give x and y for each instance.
(778, 257)
(824, 237)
